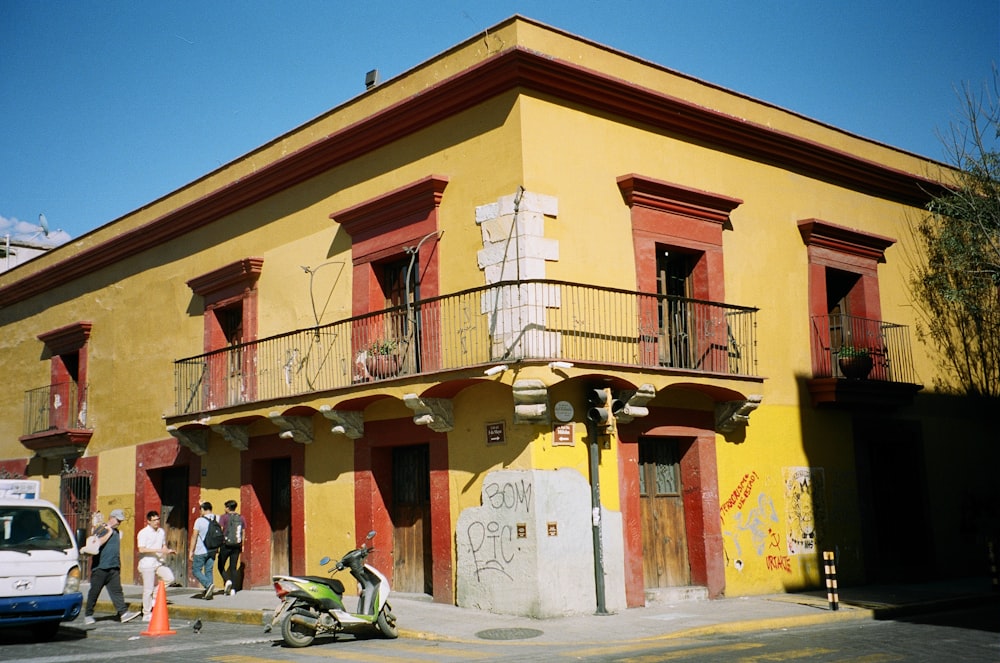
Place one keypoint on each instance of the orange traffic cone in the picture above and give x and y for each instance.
(159, 623)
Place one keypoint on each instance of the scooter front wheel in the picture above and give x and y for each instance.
(386, 623)
(296, 635)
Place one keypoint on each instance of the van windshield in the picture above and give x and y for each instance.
(29, 527)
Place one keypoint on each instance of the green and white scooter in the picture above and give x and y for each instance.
(314, 605)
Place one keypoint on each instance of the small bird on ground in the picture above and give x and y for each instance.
(196, 626)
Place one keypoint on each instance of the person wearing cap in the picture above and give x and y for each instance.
(105, 570)
(151, 544)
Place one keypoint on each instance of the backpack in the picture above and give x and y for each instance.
(213, 537)
(233, 530)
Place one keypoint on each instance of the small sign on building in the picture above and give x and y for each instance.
(562, 435)
(495, 433)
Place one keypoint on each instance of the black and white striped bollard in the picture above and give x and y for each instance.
(830, 569)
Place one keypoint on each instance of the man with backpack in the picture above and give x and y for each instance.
(233, 531)
(205, 544)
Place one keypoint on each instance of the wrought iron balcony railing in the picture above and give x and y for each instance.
(61, 406)
(839, 338)
(510, 321)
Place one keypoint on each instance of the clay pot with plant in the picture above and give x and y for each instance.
(383, 358)
(855, 362)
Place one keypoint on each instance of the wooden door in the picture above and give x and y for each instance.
(661, 507)
(674, 283)
(279, 515)
(173, 490)
(399, 285)
(411, 519)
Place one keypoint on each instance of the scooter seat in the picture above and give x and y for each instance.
(332, 583)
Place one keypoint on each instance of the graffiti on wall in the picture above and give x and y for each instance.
(755, 525)
(805, 507)
(491, 537)
(740, 494)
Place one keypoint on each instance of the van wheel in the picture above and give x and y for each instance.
(45, 631)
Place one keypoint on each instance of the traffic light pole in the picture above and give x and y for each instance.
(595, 503)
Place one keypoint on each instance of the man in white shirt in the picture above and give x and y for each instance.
(152, 549)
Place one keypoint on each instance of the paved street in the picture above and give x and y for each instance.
(971, 634)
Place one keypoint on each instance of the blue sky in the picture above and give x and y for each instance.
(106, 106)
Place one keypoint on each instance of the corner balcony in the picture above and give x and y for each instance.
(55, 420)
(539, 320)
(860, 362)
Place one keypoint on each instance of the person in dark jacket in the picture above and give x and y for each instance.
(229, 555)
(105, 570)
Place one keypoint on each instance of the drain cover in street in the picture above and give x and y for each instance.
(509, 633)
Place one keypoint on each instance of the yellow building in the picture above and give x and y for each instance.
(563, 326)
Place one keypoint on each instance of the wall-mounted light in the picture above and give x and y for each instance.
(493, 370)
(560, 364)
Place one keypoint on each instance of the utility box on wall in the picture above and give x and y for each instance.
(528, 550)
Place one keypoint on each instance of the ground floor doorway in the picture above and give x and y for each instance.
(411, 519)
(171, 484)
(892, 488)
(271, 483)
(661, 509)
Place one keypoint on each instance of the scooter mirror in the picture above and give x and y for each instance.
(371, 535)
(324, 561)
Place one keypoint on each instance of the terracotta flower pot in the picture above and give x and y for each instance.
(383, 366)
(855, 367)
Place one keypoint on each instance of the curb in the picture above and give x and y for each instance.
(847, 613)
(258, 617)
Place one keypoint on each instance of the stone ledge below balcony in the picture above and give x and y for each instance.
(58, 442)
(859, 394)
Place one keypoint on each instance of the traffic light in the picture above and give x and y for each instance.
(602, 407)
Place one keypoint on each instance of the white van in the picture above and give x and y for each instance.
(39, 562)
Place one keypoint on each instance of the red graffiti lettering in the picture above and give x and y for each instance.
(739, 496)
(779, 563)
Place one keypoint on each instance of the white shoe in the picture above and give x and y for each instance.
(229, 587)
(88, 620)
(147, 618)
(128, 616)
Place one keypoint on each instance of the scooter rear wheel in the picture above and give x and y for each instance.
(296, 635)
(386, 623)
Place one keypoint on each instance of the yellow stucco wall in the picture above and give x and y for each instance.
(145, 316)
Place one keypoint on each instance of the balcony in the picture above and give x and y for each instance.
(882, 349)
(538, 320)
(55, 420)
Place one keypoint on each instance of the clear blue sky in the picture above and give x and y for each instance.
(108, 105)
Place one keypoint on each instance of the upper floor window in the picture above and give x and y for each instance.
(65, 403)
(395, 263)
(230, 322)
(844, 303)
(677, 240)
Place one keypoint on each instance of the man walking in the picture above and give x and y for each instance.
(152, 549)
(203, 558)
(233, 531)
(106, 570)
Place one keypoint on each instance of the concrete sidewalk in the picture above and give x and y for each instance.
(419, 617)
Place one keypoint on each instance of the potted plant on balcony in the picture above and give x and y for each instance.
(855, 362)
(383, 358)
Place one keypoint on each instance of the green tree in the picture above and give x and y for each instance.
(956, 284)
